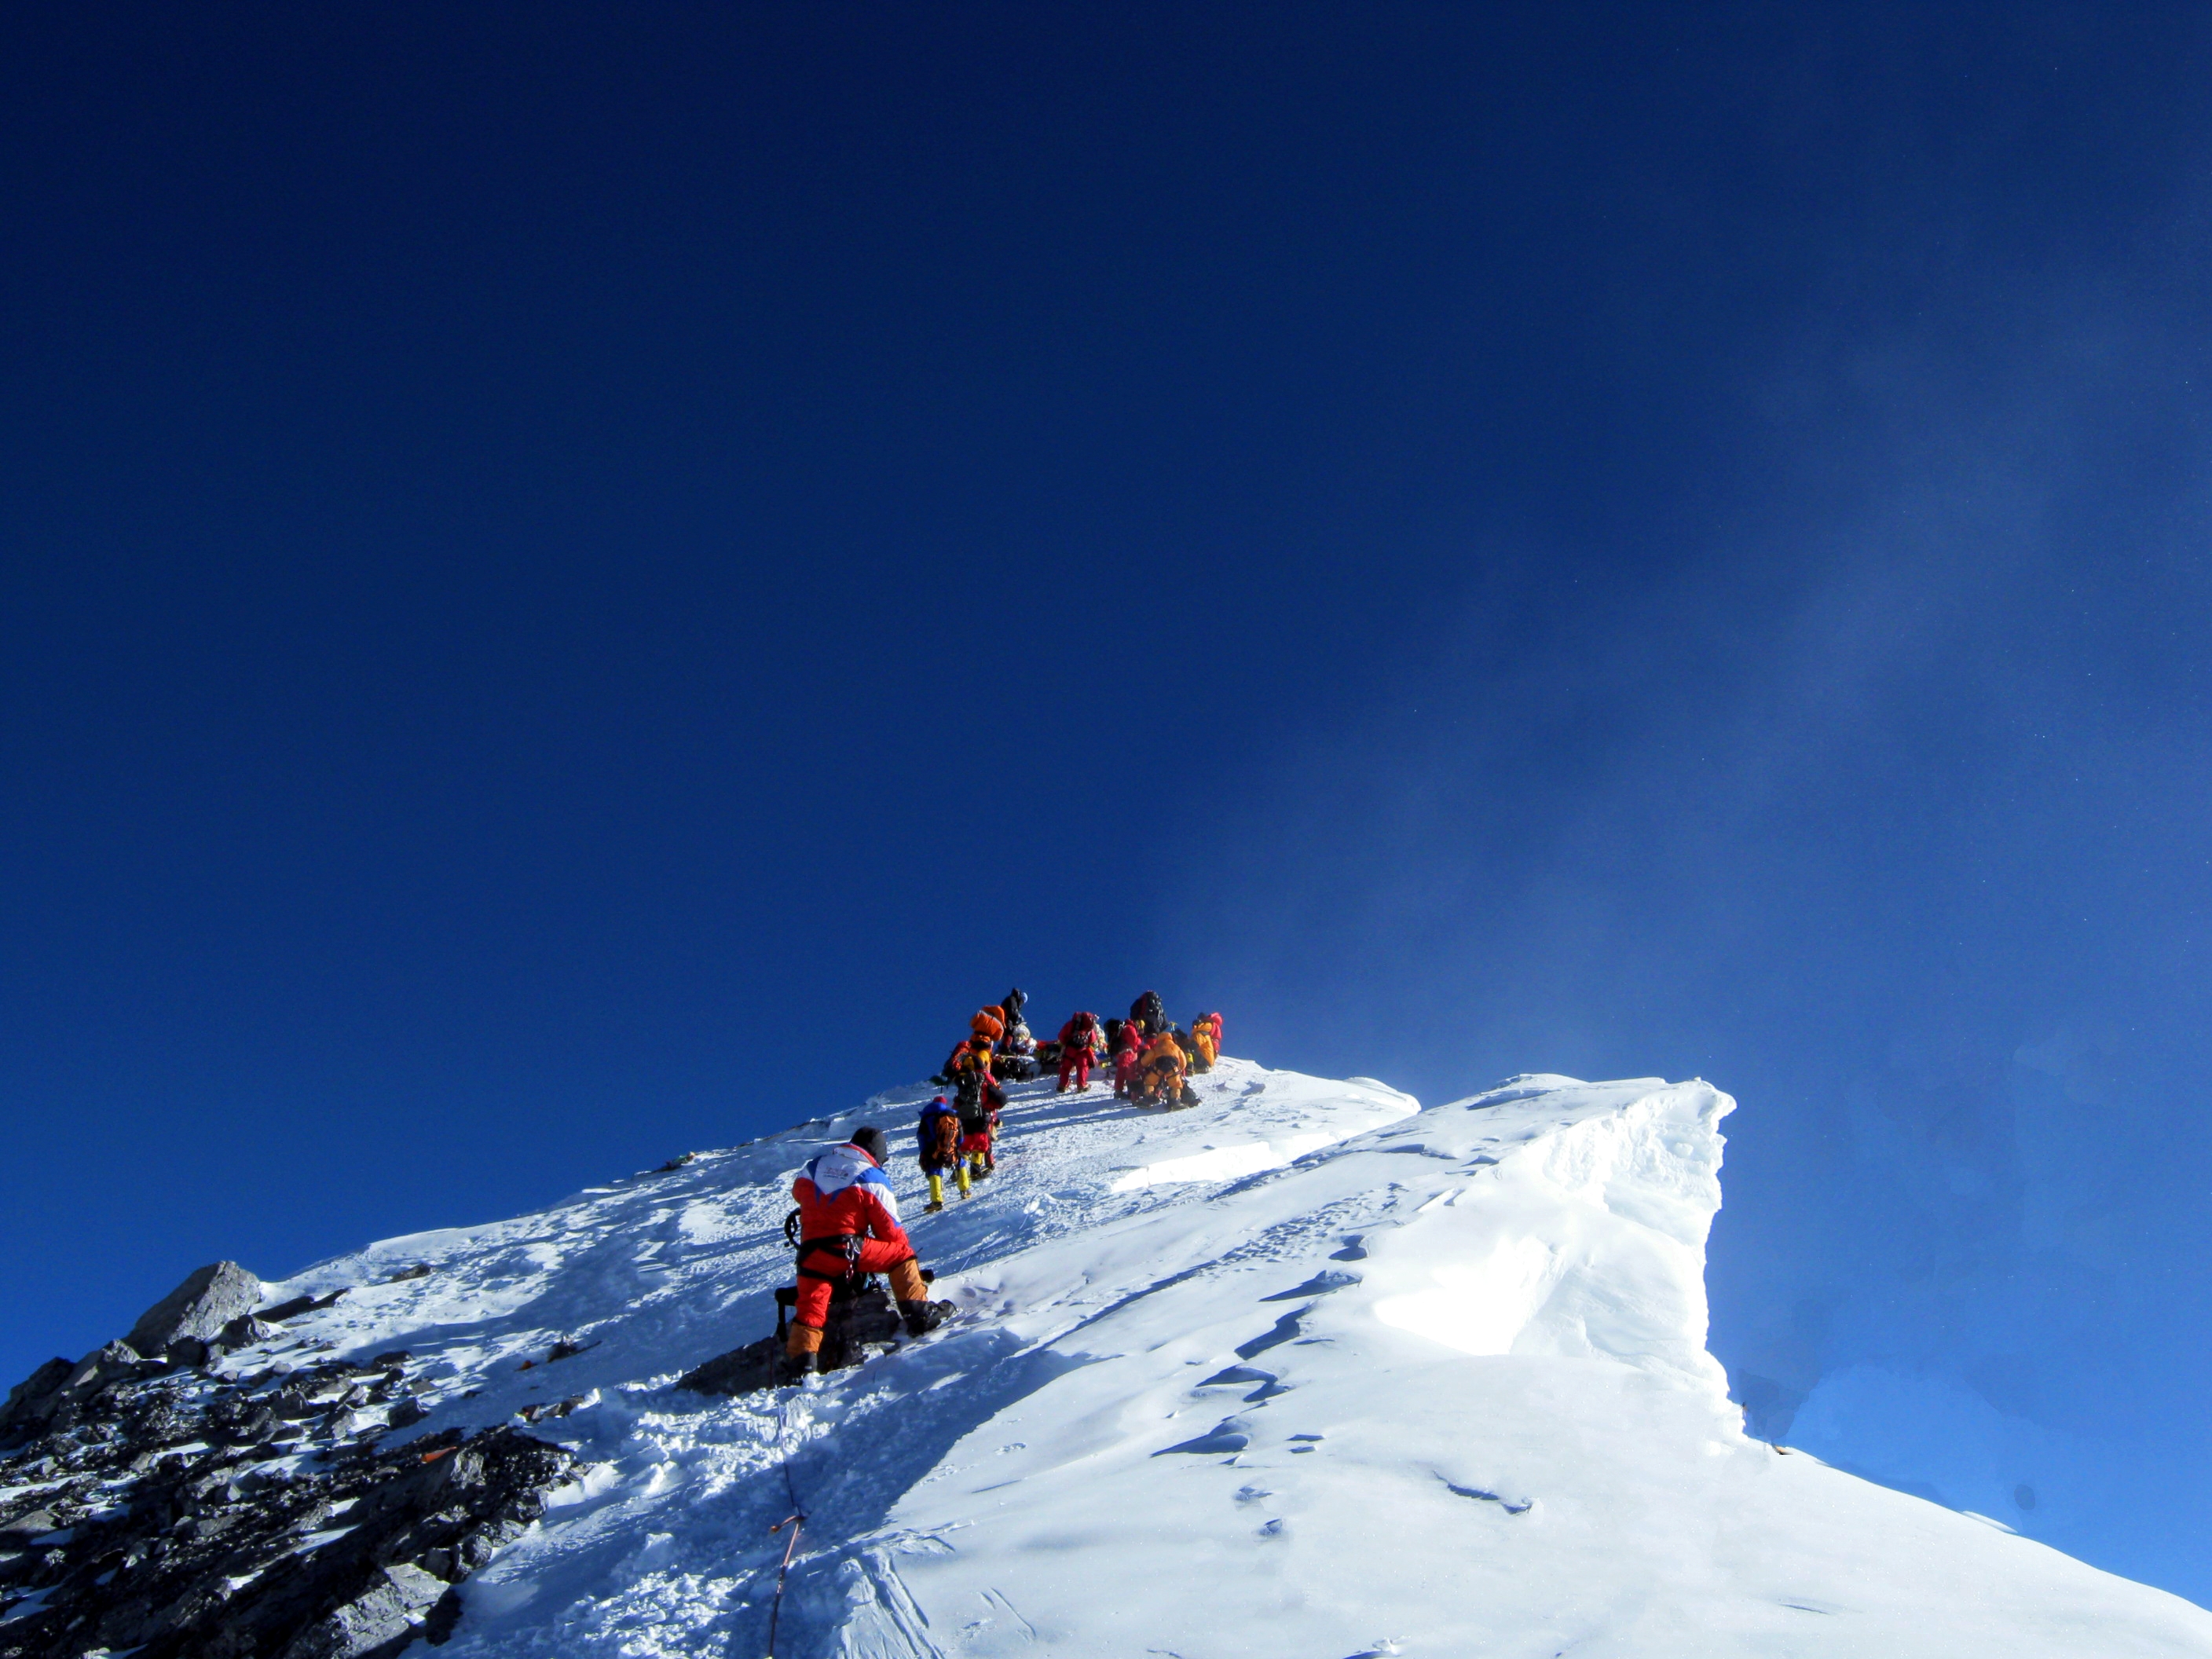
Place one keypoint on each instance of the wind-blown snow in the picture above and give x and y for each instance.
(1302, 1371)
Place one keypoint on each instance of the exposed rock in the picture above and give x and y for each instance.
(159, 1513)
(296, 1306)
(207, 1301)
(22, 1530)
(741, 1370)
(855, 1323)
(396, 1599)
(34, 1390)
(112, 1364)
(245, 1331)
(420, 1270)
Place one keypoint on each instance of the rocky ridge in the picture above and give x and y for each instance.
(177, 1506)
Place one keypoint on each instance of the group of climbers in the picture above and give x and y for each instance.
(847, 1222)
(999, 1040)
(977, 1099)
(1154, 1059)
(1151, 1056)
(955, 1139)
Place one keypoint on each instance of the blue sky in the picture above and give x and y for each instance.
(577, 585)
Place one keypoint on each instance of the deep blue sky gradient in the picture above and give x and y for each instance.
(578, 582)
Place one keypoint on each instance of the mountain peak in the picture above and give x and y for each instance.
(1305, 1368)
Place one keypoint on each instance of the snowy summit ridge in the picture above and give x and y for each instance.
(1306, 1371)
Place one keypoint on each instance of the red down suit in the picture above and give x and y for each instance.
(848, 1223)
(1076, 1053)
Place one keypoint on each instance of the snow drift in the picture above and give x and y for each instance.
(1306, 1371)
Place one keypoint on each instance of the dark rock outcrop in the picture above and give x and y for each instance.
(397, 1600)
(245, 1331)
(54, 1396)
(200, 1307)
(33, 1391)
(856, 1323)
(292, 1309)
(177, 1514)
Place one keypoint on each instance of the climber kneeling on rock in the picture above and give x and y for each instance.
(848, 1227)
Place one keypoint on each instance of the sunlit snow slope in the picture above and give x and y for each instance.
(1302, 1372)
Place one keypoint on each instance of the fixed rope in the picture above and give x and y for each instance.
(796, 1520)
(797, 1523)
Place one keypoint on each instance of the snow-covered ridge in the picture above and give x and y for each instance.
(1303, 1371)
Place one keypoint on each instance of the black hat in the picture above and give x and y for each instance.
(869, 1139)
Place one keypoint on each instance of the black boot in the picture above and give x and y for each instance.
(792, 1368)
(922, 1318)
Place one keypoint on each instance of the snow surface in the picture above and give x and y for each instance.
(1304, 1371)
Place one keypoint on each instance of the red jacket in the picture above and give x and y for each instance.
(843, 1194)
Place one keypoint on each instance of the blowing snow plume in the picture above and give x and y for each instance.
(1306, 1371)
